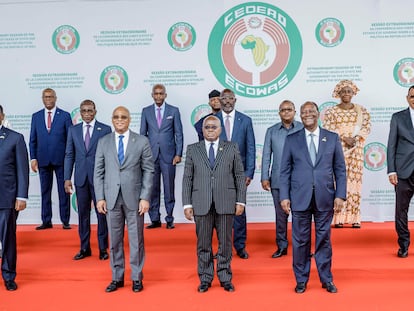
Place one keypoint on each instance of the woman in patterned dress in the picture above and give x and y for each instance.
(352, 122)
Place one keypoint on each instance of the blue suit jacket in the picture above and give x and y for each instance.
(298, 176)
(77, 155)
(167, 141)
(243, 135)
(14, 168)
(49, 147)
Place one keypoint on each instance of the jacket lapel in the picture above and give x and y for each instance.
(3, 135)
(203, 152)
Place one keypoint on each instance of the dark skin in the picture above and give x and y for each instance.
(346, 95)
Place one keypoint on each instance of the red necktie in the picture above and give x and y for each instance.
(49, 120)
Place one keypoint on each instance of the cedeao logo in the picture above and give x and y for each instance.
(404, 72)
(330, 32)
(114, 79)
(255, 49)
(65, 39)
(181, 36)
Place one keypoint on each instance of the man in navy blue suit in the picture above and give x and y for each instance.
(80, 152)
(237, 127)
(161, 123)
(14, 187)
(214, 102)
(48, 134)
(312, 183)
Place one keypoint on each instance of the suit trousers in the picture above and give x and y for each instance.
(204, 230)
(46, 183)
(301, 242)
(8, 218)
(240, 231)
(404, 192)
(116, 218)
(281, 221)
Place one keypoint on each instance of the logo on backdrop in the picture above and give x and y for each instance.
(74, 202)
(181, 36)
(199, 112)
(259, 153)
(375, 156)
(330, 32)
(322, 109)
(255, 49)
(65, 39)
(76, 116)
(114, 79)
(404, 72)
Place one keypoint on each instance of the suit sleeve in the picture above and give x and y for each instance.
(22, 164)
(99, 171)
(143, 130)
(178, 133)
(239, 177)
(392, 146)
(251, 151)
(147, 167)
(285, 170)
(69, 156)
(339, 170)
(266, 156)
(199, 129)
(33, 138)
(187, 186)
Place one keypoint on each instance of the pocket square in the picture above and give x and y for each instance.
(169, 117)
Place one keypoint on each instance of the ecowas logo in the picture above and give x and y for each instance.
(330, 32)
(375, 156)
(404, 72)
(199, 112)
(181, 36)
(76, 116)
(255, 49)
(322, 110)
(114, 79)
(65, 39)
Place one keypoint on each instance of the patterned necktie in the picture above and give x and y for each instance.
(49, 120)
(227, 127)
(312, 149)
(87, 136)
(159, 119)
(211, 155)
(121, 149)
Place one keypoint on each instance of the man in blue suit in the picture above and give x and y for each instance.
(161, 123)
(14, 187)
(48, 134)
(312, 183)
(238, 128)
(80, 152)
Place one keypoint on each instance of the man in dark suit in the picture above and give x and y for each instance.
(400, 159)
(238, 128)
(48, 134)
(214, 102)
(80, 152)
(312, 183)
(213, 191)
(14, 187)
(123, 178)
(161, 123)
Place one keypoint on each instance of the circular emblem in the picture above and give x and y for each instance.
(114, 79)
(322, 109)
(404, 72)
(65, 39)
(199, 112)
(76, 116)
(375, 156)
(181, 36)
(74, 201)
(330, 32)
(255, 49)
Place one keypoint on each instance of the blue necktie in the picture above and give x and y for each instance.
(211, 155)
(312, 149)
(121, 149)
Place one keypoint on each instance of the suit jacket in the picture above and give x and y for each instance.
(167, 141)
(400, 149)
(298, 177)
(49, 147)
(224, 184)
(14, 168)
(134, 177)
(76, 153)
(243, 135)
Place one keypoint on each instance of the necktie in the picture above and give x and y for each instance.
(227, 127)
(159, 119)
(121, 149)
(49, 120)
(211, 155)
(312, 149)
(87, 136)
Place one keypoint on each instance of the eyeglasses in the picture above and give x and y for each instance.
(121, 117)
(87, 111)
(286, 110)
(211, 127)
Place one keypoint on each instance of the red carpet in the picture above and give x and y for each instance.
(367, 272)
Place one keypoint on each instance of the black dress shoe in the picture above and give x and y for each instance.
(103, 254)
(44, 226)
(242, 253)
(300, 287)
(330, 287)
(66, 226)
(338, 225)
(279, 253)
(170, 225)
(114, 285)
(83, 253)
(228, 286)
(402, 253)
(203, 287)
(154, 224)
(10, 285)
(137, 286)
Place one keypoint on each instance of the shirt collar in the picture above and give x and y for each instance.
(231, 114)
(126, 134)
(315, 132)
(208, 143)
(92, 123)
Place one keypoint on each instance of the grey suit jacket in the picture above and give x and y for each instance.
(134, 177)
(224, 184)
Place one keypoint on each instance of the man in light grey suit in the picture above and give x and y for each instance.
(213, 191)
(123, 176)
